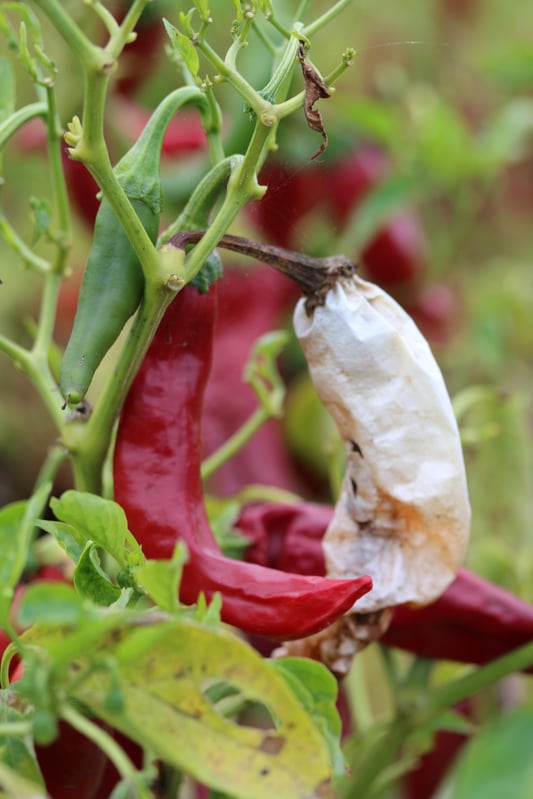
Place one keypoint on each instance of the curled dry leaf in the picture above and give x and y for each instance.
(315, 89)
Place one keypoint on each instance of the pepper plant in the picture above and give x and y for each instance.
(121, 569)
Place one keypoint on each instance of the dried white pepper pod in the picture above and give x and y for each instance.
(403, 514)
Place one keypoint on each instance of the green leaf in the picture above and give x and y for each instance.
(160, 579)
(497, 762)
(445, 148)
(16, 752)
(91, 581)
(222, 513)
(512, 66)
(506, 137)
(184, 47)
(16, 526)
(373, 120)
(96, 519)
(11, 546)
(165, 672)
(316, 689)
(67, 537)
(203, 10)
(50, 603)
(15, 786)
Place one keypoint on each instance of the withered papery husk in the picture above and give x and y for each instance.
(403, 515)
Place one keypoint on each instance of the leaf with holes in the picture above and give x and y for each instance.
(166, 671)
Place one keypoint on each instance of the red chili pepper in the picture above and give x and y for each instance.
(474, 621)
(157, 482)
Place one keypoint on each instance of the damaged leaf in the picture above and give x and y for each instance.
(315, 89)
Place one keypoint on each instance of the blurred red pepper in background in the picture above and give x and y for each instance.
(395, 254)
(251, 303)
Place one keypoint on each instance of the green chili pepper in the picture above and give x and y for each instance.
(113, 282)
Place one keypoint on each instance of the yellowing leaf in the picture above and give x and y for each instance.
(165, 671)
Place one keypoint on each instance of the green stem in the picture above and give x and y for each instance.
(234, 443)
(58, 184)
(325, 18)
(242, 188)
(92, 145)
(256, 492)
(202, 199)
(102, 739)
(19, 246)
(88, 53)
(332, 77)
(19, 118)
(437, 702)
(15, 728)
(213, 131)
(240, 84)
(120, 38)
(89, 442)
(36, 368)
(302, 10)
(265, 40)
(383, 752)
(55, 457)
(452, 693)
(43, 340)
(240, 43)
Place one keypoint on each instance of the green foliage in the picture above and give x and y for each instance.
(497, 762)
(17, 759)
(16, 526)
(184, 47)
(92, 518)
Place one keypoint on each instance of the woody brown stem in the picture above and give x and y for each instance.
(314, 276)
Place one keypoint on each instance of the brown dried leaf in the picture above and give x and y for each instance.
(315, 89)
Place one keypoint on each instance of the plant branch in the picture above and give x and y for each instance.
(19, 118)
(19, 246)
(325, 18)
(234, 443)
(431, 707)
(81, 46)
(102, 739)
